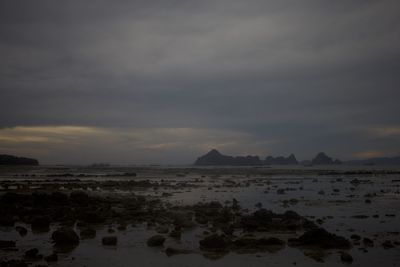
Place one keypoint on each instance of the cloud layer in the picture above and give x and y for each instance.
(291, 76)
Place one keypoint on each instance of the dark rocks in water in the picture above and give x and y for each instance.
(355, 237)
(21, 230)
(65, 237)
(91, 216)
(270, 244)
(79, 197)
(88, 233)
(175, 251)
(109, 241)
(290, 160)
(156, 241)
(59, 198)
(346, 257)
(214, 242)
(320, 238)
(162, 229)
(52, 257)
(13, 160)
(13, 263)
(368, 242)
(32, 253)
(216, 158)
(40, 223)
(176, 233)
(7, 221)
(7, 244)
(387, 244)
(265, 220)
(322, 159)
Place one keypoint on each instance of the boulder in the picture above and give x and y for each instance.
(214, 242)
(65, 237)
(88, 233)
(156, 241)
(7, 244)
(109, 241)
(320, 238)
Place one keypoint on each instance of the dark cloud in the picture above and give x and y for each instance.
(293, 76)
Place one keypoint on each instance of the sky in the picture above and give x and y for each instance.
(163, 82)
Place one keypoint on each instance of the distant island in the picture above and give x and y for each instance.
(14, 160)
(215, 158)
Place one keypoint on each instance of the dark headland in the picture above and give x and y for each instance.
(13, 160)
(215, 158)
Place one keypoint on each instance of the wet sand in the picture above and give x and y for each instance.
(292, 216)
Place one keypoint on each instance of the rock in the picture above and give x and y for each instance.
(13, 263)
(214, 242)
(88, 233)
(7, 244)
(360, 216)
(280, 191)
(40, 223)
(387, 244)
(176, 233)
(175, 251)
(320, 238)
(109, 241)
(79, 197)
(32, 253)
(368, 242)
(65, 237)
(6, 220)
(21, 230)
(51, 258)
(122, 227)
(346, 257)
(162, 229)
(270, 244)
(59, 198)
(156, 241)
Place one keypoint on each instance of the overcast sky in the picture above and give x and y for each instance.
(166, 81)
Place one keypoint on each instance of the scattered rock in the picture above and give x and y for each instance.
(387, 244)
(88, 233)
(322, 239)
(162, 229)
(175, 251)
(368, 242)
(346, 257)
(51, 258)
(109, 241)
(156, 241)
(21, 230)
(7, 244)
(65, 237)
(31, 252)
(214, 242)
(40, 223)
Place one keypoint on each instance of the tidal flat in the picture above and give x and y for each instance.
(200, 216)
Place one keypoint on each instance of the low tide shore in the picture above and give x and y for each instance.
(158, 216)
